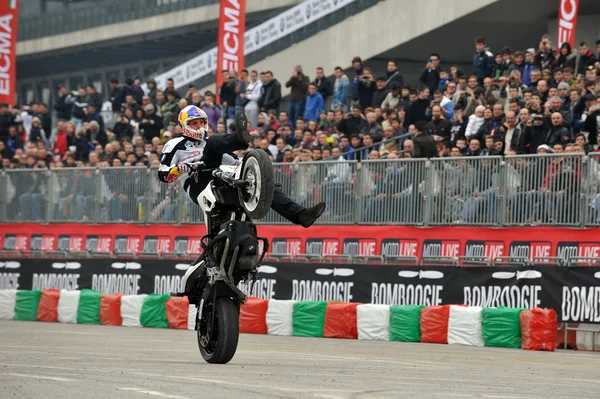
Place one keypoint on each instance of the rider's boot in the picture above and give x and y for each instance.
(241, 128)
(308, 216)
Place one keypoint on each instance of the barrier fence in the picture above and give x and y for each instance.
(553, 190)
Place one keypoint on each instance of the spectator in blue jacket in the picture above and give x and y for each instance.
(314, 104)
(358, 73)
(92, 114)
(483, 62)
(340, 90)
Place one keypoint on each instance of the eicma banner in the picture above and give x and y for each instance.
(9, 18)
(567, 22)
(232, 27)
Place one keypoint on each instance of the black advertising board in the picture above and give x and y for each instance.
(574, 292)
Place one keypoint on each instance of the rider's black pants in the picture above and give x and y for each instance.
(216, 146)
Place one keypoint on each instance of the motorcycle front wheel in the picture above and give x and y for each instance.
(257, 197)
(218, 339)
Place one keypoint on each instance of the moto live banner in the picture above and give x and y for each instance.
(523, 242)
(567, 22)
(574, 293)
(9, 18)
(232, 27)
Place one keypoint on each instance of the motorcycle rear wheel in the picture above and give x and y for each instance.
(220, 346)
(258, 196)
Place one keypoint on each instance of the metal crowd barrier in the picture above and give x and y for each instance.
(532, 190)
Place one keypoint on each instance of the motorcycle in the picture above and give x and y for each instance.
(236, 196)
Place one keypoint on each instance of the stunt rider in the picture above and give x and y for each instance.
(194, 145)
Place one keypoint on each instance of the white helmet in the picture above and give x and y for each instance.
(187, 115)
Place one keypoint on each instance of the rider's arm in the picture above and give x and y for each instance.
(168, 171)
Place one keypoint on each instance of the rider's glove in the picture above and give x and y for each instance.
(184, 168)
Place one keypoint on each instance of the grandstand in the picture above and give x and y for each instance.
(438, 139)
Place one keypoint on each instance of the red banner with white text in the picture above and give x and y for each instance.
(232, 27)
(528, 242)
(567, 21)
(9, 22)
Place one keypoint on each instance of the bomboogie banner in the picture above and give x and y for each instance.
(574, 293)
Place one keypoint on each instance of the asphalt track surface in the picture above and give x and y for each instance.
(48, 360)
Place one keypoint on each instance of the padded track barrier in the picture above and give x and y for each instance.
(177, 312)
(26, 305)
(453, 324)
(131, 309)
(340, 320)
(67, 306)
(8, 302)
(154, 314)
(110, 310)
(405, 323)
(279, 317)
(373, 322)
(253, 316)
(538, 329)
(501, 327)
(48, 307)
(434, 324)
(88, 311)
(464, 326)
(308, 319)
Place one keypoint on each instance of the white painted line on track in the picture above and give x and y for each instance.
(40, 377)
(152, 393)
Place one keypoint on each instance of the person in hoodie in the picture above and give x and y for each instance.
(380, 93)
(298, 85)
(586, 58)
(211, 110)
(340, 90)
(37, 133)
(475, 122)
(358, 66)
(314, 104)
(152, 89)
(528, 67)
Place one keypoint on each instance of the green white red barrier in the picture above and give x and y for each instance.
(535, 329)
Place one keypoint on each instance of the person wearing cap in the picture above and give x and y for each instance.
(528, 67)
(545, 149)
(152, 124)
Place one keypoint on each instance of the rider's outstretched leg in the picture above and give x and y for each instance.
(295, 213)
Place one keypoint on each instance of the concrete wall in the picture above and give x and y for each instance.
(372, 32)
(141, 26)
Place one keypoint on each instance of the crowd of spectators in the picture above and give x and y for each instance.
(510, 102)
(529, 101)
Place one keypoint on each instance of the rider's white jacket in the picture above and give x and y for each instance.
(183, 150)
